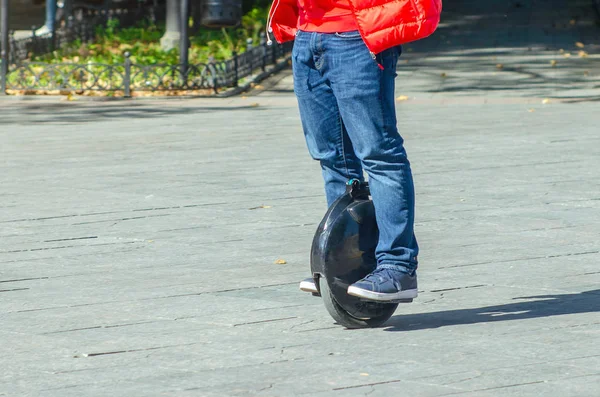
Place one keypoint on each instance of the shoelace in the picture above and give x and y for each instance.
(380, 274)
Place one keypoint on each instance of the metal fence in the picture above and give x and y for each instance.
(18, 75)
(128, 77)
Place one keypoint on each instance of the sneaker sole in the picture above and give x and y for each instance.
(409, 294)
(308, 287)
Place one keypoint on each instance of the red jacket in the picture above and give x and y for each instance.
(382, 23)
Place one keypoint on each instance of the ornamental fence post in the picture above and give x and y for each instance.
(127, 77)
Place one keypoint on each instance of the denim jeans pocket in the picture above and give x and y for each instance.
(355, 34)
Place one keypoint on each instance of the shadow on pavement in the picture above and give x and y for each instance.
(541, 306)
(89, 112)
(497, 24)
(534, 48)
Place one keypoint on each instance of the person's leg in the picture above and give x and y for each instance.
(50, 14)
(365, 97)
(50, 18)
(326, 136)
(325, 132)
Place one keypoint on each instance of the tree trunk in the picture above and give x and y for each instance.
(172, 34)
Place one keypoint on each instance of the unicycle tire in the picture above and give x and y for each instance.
(345, 319)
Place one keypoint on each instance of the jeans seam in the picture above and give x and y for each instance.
(341, 124)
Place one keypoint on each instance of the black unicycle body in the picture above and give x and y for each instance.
(343, 252)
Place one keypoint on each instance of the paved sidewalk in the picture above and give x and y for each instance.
(138, 239)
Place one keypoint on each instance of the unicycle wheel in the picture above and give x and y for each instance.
(342, 317)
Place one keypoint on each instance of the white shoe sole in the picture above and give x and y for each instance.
(307, 286)
(380, 297)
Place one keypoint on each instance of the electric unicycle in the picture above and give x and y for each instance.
(343, 252)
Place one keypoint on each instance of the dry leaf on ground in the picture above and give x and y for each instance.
(579, 44)
(499, 66)
(280, 262)
(582, 54)
(531, 110)
(402, 98)
(545, 101)
(260, 207)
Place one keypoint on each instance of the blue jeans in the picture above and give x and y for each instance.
(347, 108)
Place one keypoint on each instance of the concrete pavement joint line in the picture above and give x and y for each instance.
(70, 239)
(494, 388)
(23, 279)
(319, 329)
(367, 385)
(69, 246)
(116, 221)
(219, 291)
(15, 289)
(498, 167)
(457, 288)
(522, 259)
(99, 327)
(265, 321)
(134, 350)
(276, 307)
(153, 298)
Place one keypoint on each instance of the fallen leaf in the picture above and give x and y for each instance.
(443, 75)
(545, 101)
(567, 55)
(364, 374)
(280, 262)
(531, 110)
(586, 73)
(553, 63)
(402, 98)
(579, 44)
(260, 207)
(244, 97)
(254, 105)
(499, 66)
(259, 87)
(561, 50)
(582, 54)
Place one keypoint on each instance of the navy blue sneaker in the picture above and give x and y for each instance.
(385, 285)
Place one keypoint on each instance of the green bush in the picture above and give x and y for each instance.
(143, 43)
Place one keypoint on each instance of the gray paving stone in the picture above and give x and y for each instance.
(138, 239)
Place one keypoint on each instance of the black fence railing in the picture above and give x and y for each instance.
(129, 77)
